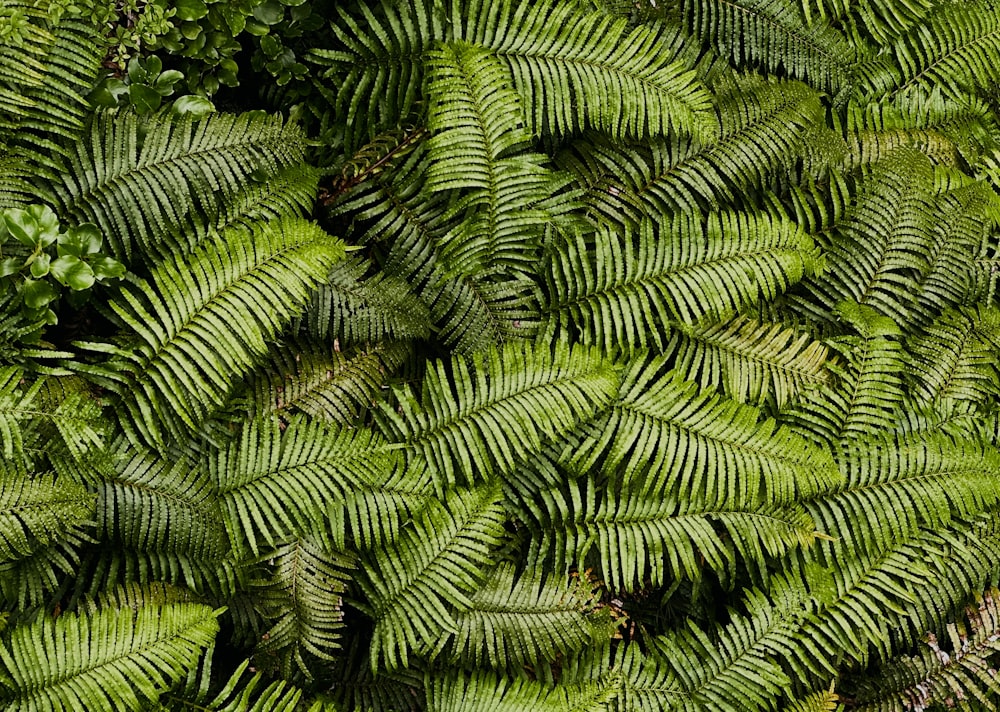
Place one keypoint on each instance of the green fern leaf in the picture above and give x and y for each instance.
(301, 601)
(39, 511)
(732, 670)
(954, 358)
(764, 129)
(522, 619)
(749, 361)
(770, 34)
(603, 75)
(150, 503)
(353, 309)
(141, 182)
(868, 390)
(202, 321)
(486, 692)
(962, 669)
(648, 540)
(476, 417)
(322, 382)
(622, 291)
(113, 659)
(665, 437)
(893, 485)
(416, 582)
(277, 482)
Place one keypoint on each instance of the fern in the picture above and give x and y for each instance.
(520, 619)
(144, 184)
(276, 482)
(112, 659)
(236, 291)
(472, 419)
(623, 290)
(38, 512)
(751, 362)
(415, 581)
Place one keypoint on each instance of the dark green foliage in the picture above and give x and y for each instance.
(663, 377)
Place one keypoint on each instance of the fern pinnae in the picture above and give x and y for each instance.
(750, 361)
(472, 421)
(225, 293)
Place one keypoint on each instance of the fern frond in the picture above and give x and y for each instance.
(749, 361)
(487, 692)
(240, 693)
(511, 197)
(142, 181)
(602, 75)
(301, 601)
(39, 511)
(954, 358)
(16, 414)
(877, 252)
(276, 482)
(770, 34)
(733, 669)
(621, 291)
(202, 320)
(373, 513)
(956, 51)
(150, 503)
(665, 437)
(963, 669)
(764, 128)
(113, 659)
(48, 64)
(322, 382)
(518, 619)
(642, 540)
(477, 416)
(893, 485)
(416, 582)
(868, 389)
(354, 309)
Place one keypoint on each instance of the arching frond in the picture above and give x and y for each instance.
(961, 668)
(622, 290)
(36, 512)
(113, 659)
(415, 582)
(570, 81)
(373, 513)
(523, 618)
(242, 692)
(641, 540)
(487, 692)
(203, 319)
(477, 416)
(957, 50)
(876, 253)
(509, 197)
(750, 361)
(732, 669)
(955, 357)
(49, 59)
(142, 181)
(603, 75)
(300, 600)
(666, 437)
(276, 482)
(150, 503)
(868, 388)
(893, 485)
(770, 34)
(354, 309)
(323, 382)
(764, 127)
